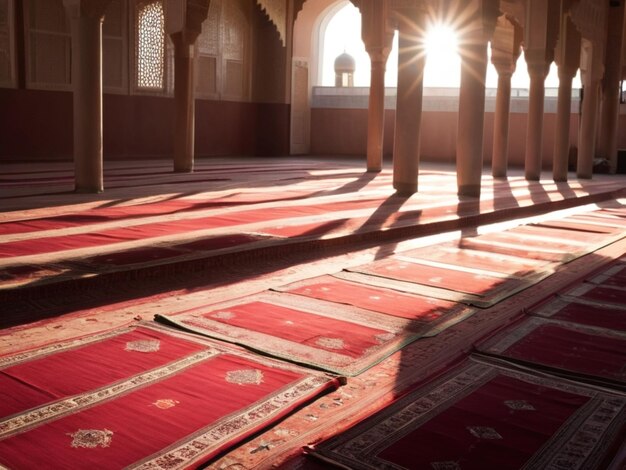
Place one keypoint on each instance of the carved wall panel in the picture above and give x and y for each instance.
(48, 49)
(7, 77)
(223, 51)
(115, 47)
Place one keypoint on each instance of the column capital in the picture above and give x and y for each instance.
(537, 63)
(376, 31)
(86, 8)
(185, 17)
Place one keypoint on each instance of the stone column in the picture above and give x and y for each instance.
(537, 70)
(540, 36)
(592, 70)
(185, 103)
(561, 139)
(607, 142)
(505, 50)
(469, 149)
(567, 57)
(499, 162)
(377, 37)
(411, 61)
(183, 22)
(588, 128)
(86, 17)
(376, 117)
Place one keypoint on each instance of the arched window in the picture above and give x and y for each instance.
(7, 51)
(150, 49)
(340, 31)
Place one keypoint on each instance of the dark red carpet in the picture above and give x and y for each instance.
(478, 417)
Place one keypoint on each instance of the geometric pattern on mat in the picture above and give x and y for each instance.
(436, 313)
(484, 416)
(448, 282)
(581, 352)
(325, 335)
(142, 397)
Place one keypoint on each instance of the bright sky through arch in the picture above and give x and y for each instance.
(443, 64)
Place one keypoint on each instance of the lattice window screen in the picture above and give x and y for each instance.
(115, 47)
(49, 45)
(150, 46)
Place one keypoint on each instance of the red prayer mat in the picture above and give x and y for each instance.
(606, 295)
(481, 416)
(451, 283)
(51, 244)
(613, 276)
(438, 314)
(451, 254)
(584, 312)
(325, 335)
(582, 352)
(142, 397)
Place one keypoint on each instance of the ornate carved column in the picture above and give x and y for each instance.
(505, 50)
(567, 57)
(411, 61)
(86, 18)
(607, 142)
(473, 50)
(590, 18)
(183, 22)
(539, 42)
(377, 36)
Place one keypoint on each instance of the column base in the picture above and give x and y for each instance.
(405, 189)
(83, 190)
(559, 179)
(183, 169)
(471, 190)
(374, 169)
(532, 177)
(584, 176)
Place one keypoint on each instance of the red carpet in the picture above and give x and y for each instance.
(453, 283)
(606, 295)
(451, 253)
(168, 228)
(580, 351)
(480, 416)
(140, 396)
(436, 313)
(584, 312)
(340, 339)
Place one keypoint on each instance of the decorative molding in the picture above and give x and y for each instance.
(276, 10)
(590, 18)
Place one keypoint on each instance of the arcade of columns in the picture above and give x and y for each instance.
(585, 34)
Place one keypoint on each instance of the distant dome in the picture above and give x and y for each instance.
(344, 63)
